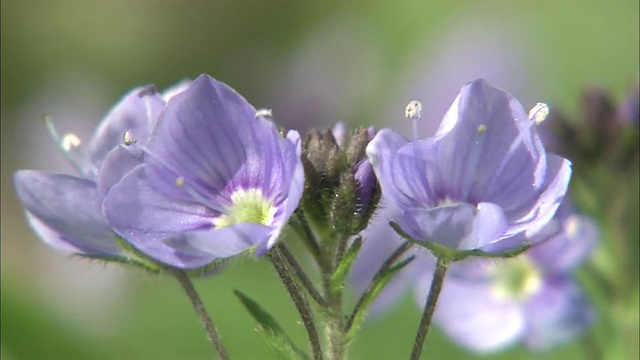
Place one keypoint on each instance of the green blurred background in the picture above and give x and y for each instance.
(313, 63)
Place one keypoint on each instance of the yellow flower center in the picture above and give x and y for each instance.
(247, 206)
(516, 279)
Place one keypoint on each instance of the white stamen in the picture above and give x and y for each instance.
(413, 110)
(266, 113)
(71, 141)
(128, 138)
(538, 113)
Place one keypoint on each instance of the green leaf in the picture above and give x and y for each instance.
(375, 288)
(339, 276)
(270, 331)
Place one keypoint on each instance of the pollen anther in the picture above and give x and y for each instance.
(71, 141)
(538, 113)
(266, 113)
(128, 138)
(413, 110)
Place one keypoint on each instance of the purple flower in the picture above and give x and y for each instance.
(64, 210)
(484, 181)
(218, 180)
(487, 304)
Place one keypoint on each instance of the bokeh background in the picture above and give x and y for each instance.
(313, 63)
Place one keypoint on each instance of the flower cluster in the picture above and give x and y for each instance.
(185, 179)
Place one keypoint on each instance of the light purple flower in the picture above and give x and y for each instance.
(484, 181)
(487, 304)
(64, 210)
(218, 180)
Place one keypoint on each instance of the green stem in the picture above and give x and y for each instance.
(299, 301)
(590, 346)
(334, 323)
(215, 338)
(309, 237)
(302, 276)
(429, 307)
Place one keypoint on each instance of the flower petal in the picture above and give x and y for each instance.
(489, 224)
(382, 151)
(229, 241)
(118, 163)
(557, 313)
(136, 112)
(209, 135)
(445, 225)
(65, 212)
(294, 175)
(473, 317)
(553, 190)
(137, 211)
(457, 226)
(569, 247)
(486, 141)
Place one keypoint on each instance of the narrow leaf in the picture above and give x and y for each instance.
(270, 331)
(375, 288)
(339, 276)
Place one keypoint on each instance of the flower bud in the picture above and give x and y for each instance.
(341, 189)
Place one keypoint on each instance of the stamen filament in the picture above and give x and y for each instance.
(413, 111)
(197, 197)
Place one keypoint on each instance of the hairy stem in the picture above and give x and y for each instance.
(429, 307)
(215, 338)
(301, 275)
(310, 238)
(299, 301)
(334, 327)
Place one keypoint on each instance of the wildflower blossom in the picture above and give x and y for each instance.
(484, 181)
(218, 179)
